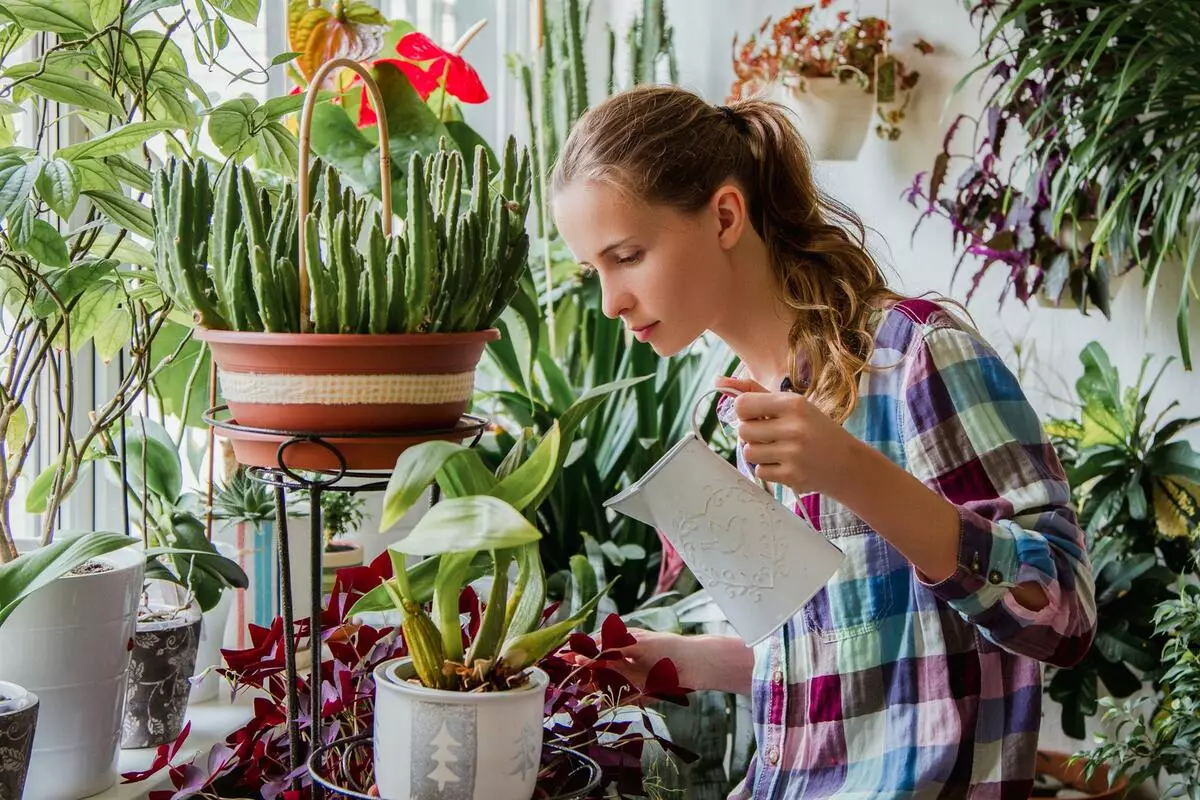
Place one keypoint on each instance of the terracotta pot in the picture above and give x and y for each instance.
(160, 668)
(331, 383)
(18, 721)
(1054, 765)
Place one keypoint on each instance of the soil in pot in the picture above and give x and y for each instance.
(160, 666)
(18, 722)
(90, 568)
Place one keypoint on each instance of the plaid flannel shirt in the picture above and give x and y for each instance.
(887, 686)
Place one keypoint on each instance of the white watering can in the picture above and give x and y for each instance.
(759, 560)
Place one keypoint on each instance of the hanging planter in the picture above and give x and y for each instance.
(832, 116)
(18, 721)
(322, 321)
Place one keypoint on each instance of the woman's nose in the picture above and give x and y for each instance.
(614, 299)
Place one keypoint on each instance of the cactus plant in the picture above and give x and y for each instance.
(228, 252)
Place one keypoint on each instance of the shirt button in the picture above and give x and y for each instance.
(995, 577)
(773, 755)
(777, 677)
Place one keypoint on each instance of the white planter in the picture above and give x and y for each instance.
(832, 116)
(69, 643)
(456, 745)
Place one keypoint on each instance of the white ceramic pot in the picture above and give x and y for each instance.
(759, 560)
(456, 745)
(832, 116)
(69, 643)
(212, 638)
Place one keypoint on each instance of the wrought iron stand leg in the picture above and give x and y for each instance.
(289, 638)
(314, 627)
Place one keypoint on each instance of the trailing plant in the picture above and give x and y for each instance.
(1114, 121)
(73, 264)
(1151, 736)
(1008, 221)
(849, 49)
(1136, 486)
(453, 267)
(590, 706)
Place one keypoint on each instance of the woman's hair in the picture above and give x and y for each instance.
(665, 145)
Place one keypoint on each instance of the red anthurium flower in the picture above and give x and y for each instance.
(462, 81)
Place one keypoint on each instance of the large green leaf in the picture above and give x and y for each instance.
(147, 440)
(1177, 459)
(68, 17)
(124, 211)
(46, 244)
(415, 470)
(465, 524)
(245, 10)
(105, 12)
(70, 283)
(17, 179)
(31, 571)
(116, 141)
(58, 186)
(531, 481)
(65, 87)
(337, 141)
(277, 150)
(229, 127)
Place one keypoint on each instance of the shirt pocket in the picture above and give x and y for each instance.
(860, 594)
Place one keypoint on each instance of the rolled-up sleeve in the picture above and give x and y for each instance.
(971, 435)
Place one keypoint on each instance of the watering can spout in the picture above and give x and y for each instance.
(632, 503)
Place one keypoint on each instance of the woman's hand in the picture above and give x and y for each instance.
(723, 663)
(790, 440)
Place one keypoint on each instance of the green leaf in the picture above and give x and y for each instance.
(94, 175)
(31, 571)
(276, 107)
(467, 139)
(421, 577)
(283, 58)
(37, 499)
(66, 87)
(104, 12)
(245, 10)
(124, 211)
(464, 524)
(46, 244)
(147, 439)
(18, 427)
(525, 650)
(116, 141)
(229, 127)
(143, 8)
(112, 334)
(530, 482)
(17, 179)
(415, 470)
(126, 251)
(68, 17)
(129, 173)
(336, 140)
(583, 586)
(528, 604)
(95, 308)
(70, 283)
(277, 149)
(58, 186)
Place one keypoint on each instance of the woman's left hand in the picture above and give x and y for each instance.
(790, 440)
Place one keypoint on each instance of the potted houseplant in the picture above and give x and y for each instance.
(836, 76)
(20, 578)
(478, 702)
(401, 321)
(341, 514)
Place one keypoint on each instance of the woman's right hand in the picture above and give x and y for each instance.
(651, 647)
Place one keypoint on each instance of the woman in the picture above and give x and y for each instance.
(916, 672)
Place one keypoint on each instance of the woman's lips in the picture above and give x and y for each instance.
(645, 332)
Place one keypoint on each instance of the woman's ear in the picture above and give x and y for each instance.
(729, 209)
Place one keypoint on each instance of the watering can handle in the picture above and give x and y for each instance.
(696, 432)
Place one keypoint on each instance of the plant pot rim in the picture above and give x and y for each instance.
(344, 339)
(121, 560)
(384, 679)
(15, 693)
(186, 617)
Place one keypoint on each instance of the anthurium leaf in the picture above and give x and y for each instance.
(465, 524)
(58, 186)
(124, 211)
(116, 141)
(336, 140)
(31, 571)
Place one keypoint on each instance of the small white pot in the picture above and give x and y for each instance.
(69, 643)
(212, 637)
(456, 745)
(832, 116)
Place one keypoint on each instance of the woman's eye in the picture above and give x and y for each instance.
(632, 258)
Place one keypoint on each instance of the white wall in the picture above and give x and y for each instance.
(873, 186)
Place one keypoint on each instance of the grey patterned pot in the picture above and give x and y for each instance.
(18, 721)
(160, 666)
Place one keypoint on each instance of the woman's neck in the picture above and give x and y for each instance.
(758, 322)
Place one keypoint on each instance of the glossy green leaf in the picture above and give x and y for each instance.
(466, 524)
(65, 87)
(245, 10)
(31, 571)
(126, 251)
(528, 601)
(68, 17)
(105, 12)
(229, 127)
(124, 211)
(144, 8)
(415, 470)
(117, 141)
(527, 649)
(530, 482)
(277, 149)
(17, 179)
(46, 244)
(58, 186)
(146, 440)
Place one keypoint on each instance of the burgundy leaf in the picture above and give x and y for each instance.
(614, 634)
(583, 645)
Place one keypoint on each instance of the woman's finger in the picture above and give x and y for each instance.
(758, 431)
(740, 384)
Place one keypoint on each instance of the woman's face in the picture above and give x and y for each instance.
(666, 274)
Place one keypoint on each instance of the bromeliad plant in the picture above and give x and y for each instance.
(1137, 489)
(229, 251)
(484, 521)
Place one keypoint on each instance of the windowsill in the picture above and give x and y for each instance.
(211, 723)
